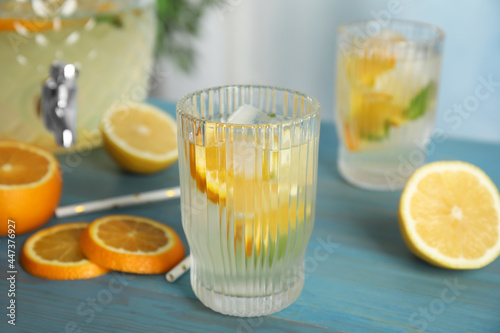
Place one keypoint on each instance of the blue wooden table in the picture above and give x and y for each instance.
(360, 277)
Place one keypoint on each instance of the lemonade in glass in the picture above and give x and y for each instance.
(386, 92)
(109, 41)
(248, 169)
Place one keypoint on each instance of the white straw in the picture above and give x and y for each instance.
(122, 201)
(178, 270)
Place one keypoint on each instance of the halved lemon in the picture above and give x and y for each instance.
(132, 244)
(140, 137)
(450, 215)
(54, 253)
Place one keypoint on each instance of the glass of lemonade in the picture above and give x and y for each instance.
(387, 80)
(248, 159)
(110, 42)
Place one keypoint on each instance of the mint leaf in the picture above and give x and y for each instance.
(421, 101)
(114, 20)
(377, 136)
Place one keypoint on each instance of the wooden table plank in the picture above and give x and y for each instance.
(360, 277)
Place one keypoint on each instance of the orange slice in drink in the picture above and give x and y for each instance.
(259, 219)
(352, 137)
(370, 118)
(372, 58)
(363, 70)
(30, 186)
(450, 215)
(54, 253)
(52, 18)
(132, 244)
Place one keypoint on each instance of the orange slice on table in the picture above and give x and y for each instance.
(140, 137)
(30, 186)
(132, 244)
(450, 215)
(54, 253)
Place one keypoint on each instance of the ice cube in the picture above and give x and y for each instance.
(247, 114)
(389, 35)
(407, 78)
(376, 44)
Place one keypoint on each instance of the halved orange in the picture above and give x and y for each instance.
(132, 244)
(54, 253)
(30, 186)
(450, 215)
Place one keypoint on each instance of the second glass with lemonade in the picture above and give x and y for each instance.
(386, 99)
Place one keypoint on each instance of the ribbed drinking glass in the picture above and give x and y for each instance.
(248, 160)
(387, 80)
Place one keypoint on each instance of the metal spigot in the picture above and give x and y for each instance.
(58, 103)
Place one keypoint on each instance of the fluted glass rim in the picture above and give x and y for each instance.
(315, 105)
(438, 38)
